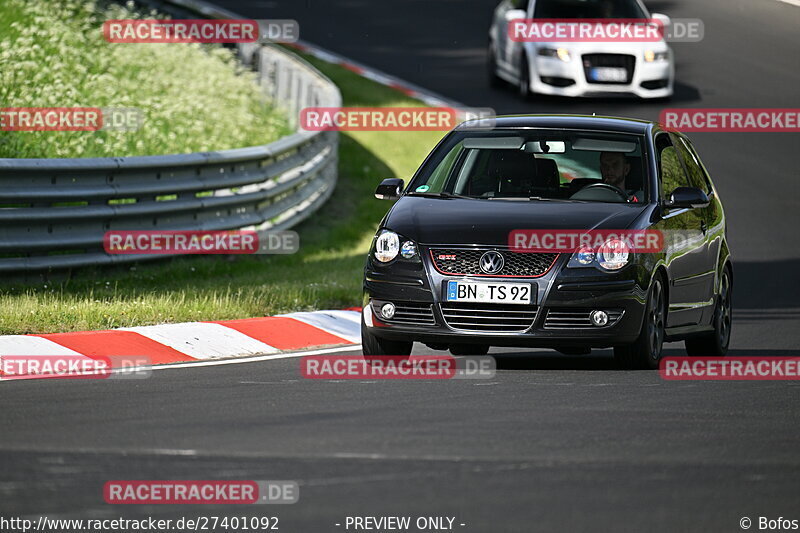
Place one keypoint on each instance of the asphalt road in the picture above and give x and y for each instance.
(552, 442)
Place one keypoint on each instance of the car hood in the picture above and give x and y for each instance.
(480, 221)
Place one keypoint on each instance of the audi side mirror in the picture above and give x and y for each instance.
(687, 197)
(662, 18)
(515, 14)
(389, 189)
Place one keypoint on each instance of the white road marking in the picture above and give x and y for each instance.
(203, 340)
(29, 345)
(791, 2)
(344, 324)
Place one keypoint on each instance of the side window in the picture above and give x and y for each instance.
(697, 176)
(671, 174)
(438, 178)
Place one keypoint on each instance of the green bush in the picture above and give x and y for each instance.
(194, 98)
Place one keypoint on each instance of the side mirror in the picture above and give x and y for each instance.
(389, 189)
(687, 197)
(515, 14)
(662, 19)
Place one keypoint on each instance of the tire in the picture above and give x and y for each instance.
(469, 349)
(715, 343)
(524, 82)
(491, 68)
(372, 345)
(645, 352)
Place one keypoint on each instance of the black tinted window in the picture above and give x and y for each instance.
(671, 174)
(697, 177)
(587, 9)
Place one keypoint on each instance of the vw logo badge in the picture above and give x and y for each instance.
(491, 262)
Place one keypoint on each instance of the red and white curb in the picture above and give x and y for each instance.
(192, 342)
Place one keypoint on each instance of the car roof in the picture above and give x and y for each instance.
(577, 122)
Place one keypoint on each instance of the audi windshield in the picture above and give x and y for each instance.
(588, 9)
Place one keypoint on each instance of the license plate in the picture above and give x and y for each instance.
(483, 292)
(608, 74)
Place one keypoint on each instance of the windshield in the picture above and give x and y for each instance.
(536, 165)
(588, 9)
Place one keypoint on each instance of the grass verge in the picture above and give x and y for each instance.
(325, 273)
(193, 98)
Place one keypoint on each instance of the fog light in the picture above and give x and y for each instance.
(387, 311)
(599, 318)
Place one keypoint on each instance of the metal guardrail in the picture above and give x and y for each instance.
(55, 212)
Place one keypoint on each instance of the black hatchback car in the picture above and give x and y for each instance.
(444, 271)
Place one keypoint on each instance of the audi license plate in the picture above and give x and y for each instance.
(485, 292)
(609, 74)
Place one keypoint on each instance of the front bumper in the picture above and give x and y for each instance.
(558, 318)
(556, 77)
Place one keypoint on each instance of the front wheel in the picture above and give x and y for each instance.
(524, 82)
(372, 345)
(645, 352)
(491, 67)
(715, 343)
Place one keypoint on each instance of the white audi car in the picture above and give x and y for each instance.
(643, 69)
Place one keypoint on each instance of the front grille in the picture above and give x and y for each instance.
(626, 61)
(409, 313)
(489, 317)
(466, 262)
(577, 318)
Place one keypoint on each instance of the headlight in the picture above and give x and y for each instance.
(613, 254)
(560, 53)
(408, 250)
(585, 256)
(387, 245)
(650, 56)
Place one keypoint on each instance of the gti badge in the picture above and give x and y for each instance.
(491, 262)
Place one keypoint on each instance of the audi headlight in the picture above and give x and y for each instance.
(560, 53)
(651, 56)
(387, 246)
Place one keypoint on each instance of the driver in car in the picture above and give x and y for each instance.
(614, 167)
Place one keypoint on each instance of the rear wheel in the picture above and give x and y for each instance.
(469, 349)
(645, 352)
(372, 345)
(715, 343)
